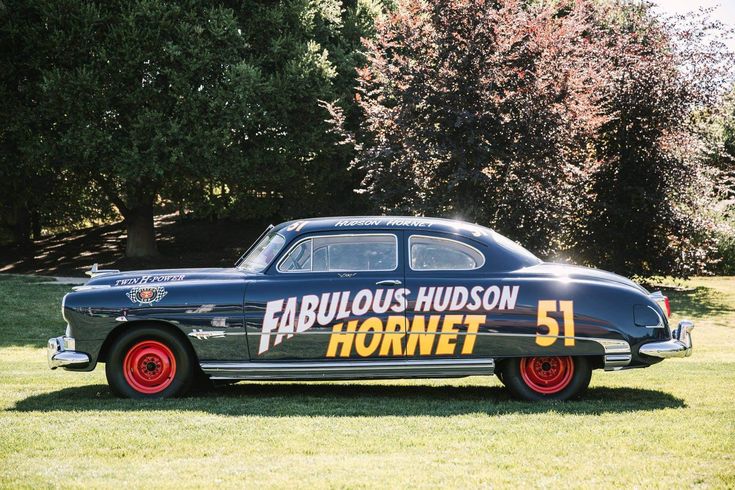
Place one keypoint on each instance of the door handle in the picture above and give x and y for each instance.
(389, 282)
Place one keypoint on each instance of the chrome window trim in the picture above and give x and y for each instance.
(299, 242)
(484, 259)
(660, 319)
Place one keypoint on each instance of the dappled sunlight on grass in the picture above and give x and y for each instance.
(181, 243)
(710, 300)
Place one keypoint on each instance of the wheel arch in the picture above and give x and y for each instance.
(595, 361)
(127, 326)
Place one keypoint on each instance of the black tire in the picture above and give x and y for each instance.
(201, 383)
(569, 377)
(499, 375)
(150, 362)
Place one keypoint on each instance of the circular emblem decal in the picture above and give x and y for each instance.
(146, 295)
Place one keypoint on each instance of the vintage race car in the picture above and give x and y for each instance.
(367, 297)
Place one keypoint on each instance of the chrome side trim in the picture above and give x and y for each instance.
(617, 352)
(400, 368)
(201, 334)
(615, 362)
(60, 353)
(679, 345)
(91, 287)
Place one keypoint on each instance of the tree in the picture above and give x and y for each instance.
(305, 52)
(562, 124)
(36, 192)
(478, 110)
(650, 188)
(214, 108)
(145, 95)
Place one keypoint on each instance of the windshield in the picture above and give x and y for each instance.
(262, 253)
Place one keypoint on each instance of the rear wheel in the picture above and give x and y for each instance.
(149, 362)
(546, 377)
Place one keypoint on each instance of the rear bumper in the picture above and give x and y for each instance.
(60, 353)
(679, 345)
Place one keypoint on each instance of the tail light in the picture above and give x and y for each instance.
(663, 302)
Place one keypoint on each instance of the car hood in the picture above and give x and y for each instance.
(580, 273)
(160, 277)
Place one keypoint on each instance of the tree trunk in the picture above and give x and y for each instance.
(36, 227)
(22, 227)
(141, 233)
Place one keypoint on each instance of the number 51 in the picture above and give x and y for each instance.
(544, 320)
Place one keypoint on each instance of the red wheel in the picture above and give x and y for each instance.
(148, 361)
(547, 375)
(149, 367)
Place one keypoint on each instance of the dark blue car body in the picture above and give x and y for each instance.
(301, 313)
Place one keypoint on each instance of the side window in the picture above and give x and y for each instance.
(298, 259)
(436, 254)
(343, 253)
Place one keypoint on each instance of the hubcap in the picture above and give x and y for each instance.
(547, 375)
(149, 367)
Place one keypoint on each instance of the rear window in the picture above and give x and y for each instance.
(428, 253)
(342, 253)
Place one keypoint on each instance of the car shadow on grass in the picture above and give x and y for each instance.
(351, 400)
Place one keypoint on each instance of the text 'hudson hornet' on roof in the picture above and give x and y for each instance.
(367, 297)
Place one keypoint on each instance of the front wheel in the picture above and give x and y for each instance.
(149, 362)
(546, 378)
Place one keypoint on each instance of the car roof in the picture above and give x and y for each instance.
(367, 223)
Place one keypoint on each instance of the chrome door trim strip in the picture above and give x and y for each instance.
(399, 368)
(610, 346)
(617, 353)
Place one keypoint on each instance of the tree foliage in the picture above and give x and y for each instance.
(303, 53)
(574, 127)
(36, 191)
(473, 111)
(214, 107)
(562, 125)
(649, 188)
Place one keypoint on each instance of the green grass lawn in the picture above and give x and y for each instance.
(667, 426)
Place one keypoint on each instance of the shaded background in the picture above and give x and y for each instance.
(158, 134)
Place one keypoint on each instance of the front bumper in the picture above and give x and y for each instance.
(679, 345)
(60, 353)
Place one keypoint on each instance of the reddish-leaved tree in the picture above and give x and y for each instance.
(552, 123)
